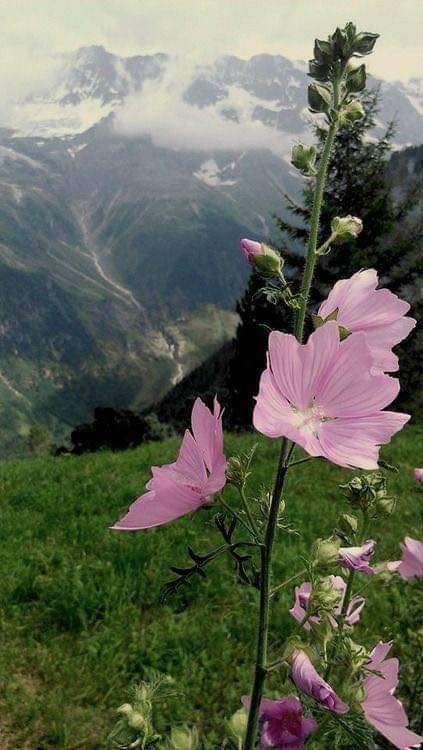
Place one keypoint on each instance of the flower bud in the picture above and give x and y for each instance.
(348, 523)
(136, 721)
(319, 71)
(356, 79)
(304, 158)
(351, 112)
(324, 596)
(341, 45)
(345, 228)
(250, 248)
(184, 738)
(125, 709)
(267, 263)
(238, 724)
(364, 43)
(322, 51)
(326, 552)
(319, 98)
(385, 505)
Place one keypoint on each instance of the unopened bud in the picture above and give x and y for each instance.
(320, 71)
(356, 79)
(238, 724)
(364, 43)
(385, 505)
(351, 112)
(326, 552)
(184, 738)
(125, 709)
(136, 721)
(348, 523)
(324, 596)
(319, 98)
(345, 228)
(268, 263)
(304, 158)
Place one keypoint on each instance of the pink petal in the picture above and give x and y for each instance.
(355, 442)
(190, 462)
(154, 510)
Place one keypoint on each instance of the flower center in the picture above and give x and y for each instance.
(309, 419)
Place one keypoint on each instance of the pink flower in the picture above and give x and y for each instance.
(310, 682)
(377, 312)
(282, 724)
(302, 596)
(358, 558)
(418, 474)
(411, 565)
(250, 248)
(384, 712)
(323, 396)
(178, 488)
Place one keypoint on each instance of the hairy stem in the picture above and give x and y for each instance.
(286, 447)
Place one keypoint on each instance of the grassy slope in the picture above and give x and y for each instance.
(80, 616)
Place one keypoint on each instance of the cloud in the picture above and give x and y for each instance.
(161, 112)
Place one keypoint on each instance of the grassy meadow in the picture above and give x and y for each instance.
(80, 612)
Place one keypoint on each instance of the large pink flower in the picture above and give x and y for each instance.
(178, 488)
(323, 396)
(411, 565)
(310, 682)
(302, 596)
(377, 312)
(418, 474)
(381, 709)
(282, 724)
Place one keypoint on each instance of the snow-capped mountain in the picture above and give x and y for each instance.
(124, 191)
(270, 89)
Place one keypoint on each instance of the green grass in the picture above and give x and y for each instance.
(80, 616)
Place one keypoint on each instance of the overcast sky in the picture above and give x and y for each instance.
(35, 30)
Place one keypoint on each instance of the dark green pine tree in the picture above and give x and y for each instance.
(358, 185)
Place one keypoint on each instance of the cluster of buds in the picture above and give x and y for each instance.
(324, 597)
(332, 62)
(369, 493)
(238, 469)
(134, 727)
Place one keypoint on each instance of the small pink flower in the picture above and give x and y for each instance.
(377, 312)
(323, 396)
(384, 712)
(411, 565)
(302, 596)
(418, 474)
(282, 724)
(251, 248)
(181, 487)
(310, 682)
(358, 558)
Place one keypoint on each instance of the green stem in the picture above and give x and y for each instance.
(265, 580)
(286, 447)
(288, 580)
(345, 605)
(249, 515)
(315, 220)
(236, 515)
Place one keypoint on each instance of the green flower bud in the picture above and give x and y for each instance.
(319, 71)
(326, 552)
(348, 523)
(269, 262)
(351, 112)
(238, 724)
(356, 79)
(345, 228)
(322, 51)
(324, 596)
(341, 44)
(385, 505)
(364, 43)
(136, 721)
(184, 738)
(304, 158)
(357, 654)
(319, 98)
(125, 709)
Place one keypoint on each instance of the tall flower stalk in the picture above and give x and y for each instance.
(287, 446)
(328, 396)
